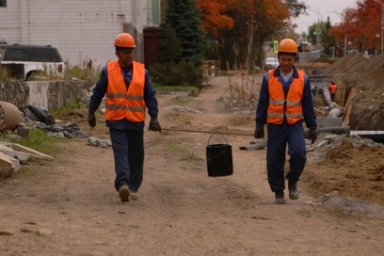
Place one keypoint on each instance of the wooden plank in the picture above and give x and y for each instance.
(7, 166)
(33, 153)
(348, 106)
(21, 156)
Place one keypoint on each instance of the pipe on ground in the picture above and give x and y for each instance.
(10, 116)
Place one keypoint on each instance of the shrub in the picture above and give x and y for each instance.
(182, 73)
(86, 72)
(4, 75)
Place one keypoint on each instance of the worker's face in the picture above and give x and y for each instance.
(286, 62)
(125, 57)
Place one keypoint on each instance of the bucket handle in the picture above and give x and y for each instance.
(213, 134)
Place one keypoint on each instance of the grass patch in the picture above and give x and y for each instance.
(87, 72)
(26, 171)
(41, 141)
(184, 155)
(241, 120)
(4, 75)
(181, 101)
(190, 90)
(66, 108)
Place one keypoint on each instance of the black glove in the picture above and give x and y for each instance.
(312, 135)
(154, 125)
(259, 132)
(92, 119)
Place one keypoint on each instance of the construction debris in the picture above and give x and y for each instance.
(21, 156)
(12, 155)
(254, 145)
(33, 153)
(36, 117)
(38, 114)
(97, 142)
(8, 165)
(329, 141)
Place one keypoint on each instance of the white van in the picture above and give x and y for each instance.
(25, 61)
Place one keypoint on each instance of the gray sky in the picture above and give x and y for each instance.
(319, 10)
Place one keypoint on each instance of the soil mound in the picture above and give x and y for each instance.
(361, 88)
(350, 168)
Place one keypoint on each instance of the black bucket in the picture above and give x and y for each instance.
(219, 159)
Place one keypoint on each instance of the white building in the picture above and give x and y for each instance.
(82, 30)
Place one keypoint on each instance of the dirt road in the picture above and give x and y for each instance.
(69, 207)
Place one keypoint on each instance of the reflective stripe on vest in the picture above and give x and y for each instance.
(279, 106)
(122, 103)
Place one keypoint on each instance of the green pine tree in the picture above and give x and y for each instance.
(170, 46)
(184, 18)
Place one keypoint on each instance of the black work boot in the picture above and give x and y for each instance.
(279, 197)
(293, 193)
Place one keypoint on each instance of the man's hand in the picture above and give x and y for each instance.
(312, 135)
(259, 132)
(91, 119)
(154, 125)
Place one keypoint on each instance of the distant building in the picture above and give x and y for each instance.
(82, 30)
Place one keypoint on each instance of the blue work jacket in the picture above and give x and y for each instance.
(307, 104)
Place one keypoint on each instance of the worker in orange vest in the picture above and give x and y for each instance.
(285, 103)
(332, 90)
(128, 89)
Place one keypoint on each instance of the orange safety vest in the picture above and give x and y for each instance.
(122, 102)
(277, 100)
(332, 88)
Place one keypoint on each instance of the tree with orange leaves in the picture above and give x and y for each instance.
(242, 27)
(360, 26)
(215, 21)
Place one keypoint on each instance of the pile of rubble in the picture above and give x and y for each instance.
(12, 155)
(12, 119)
(21, 122)
(36, 117)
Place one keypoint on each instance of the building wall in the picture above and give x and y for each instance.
(82, 30)
(10, 23)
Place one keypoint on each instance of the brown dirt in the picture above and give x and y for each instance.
(69, 207)
(349, 170)
(365, 77)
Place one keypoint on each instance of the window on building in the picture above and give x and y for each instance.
(154, 12)
(3, 3)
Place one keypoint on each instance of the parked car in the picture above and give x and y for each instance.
(27, 61)
(271, 62)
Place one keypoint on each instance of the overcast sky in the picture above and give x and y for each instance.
(319, 10)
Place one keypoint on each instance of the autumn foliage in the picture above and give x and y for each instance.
(215, 21)
(242, 27)
(361, 26)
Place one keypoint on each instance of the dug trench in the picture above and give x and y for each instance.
(69, 207)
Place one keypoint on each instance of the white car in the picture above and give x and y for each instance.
(271, 62)
(25, 61)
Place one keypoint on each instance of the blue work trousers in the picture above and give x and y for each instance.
(278, 138)
(128, 152)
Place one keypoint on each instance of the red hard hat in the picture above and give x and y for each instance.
(125, 40)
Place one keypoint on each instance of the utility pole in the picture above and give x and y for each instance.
(342, 15)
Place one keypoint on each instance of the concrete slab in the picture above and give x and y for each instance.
(324, 122)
